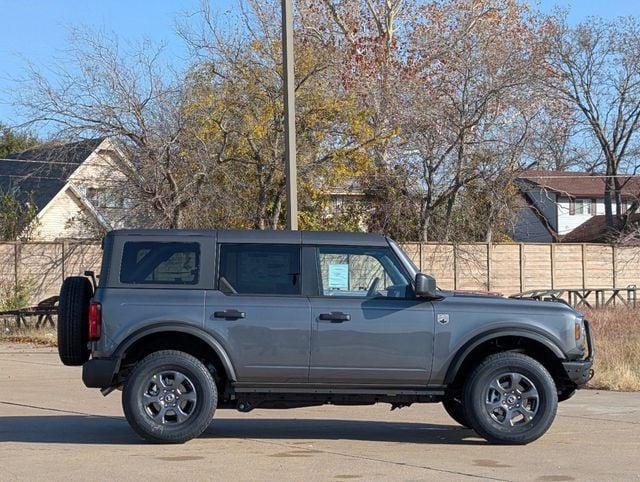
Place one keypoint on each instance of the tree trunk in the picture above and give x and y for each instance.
(608, 209)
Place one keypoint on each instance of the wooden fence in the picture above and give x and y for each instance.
(506, 268)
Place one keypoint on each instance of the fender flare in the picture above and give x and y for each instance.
(472, 344)
(177, 327)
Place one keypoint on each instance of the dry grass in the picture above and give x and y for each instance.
(41, 337)
(617, 343)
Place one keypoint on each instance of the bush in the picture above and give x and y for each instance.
(15, 296)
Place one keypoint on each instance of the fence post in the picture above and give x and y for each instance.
(553, 265)
(15, 264)
(455, 267)
(65, 246)
(521, 267)
(584, 266)
(489, 251)
(614, 268)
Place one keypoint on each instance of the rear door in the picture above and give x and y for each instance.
(368, 328)
(259, 312)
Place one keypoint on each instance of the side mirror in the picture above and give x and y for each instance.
(426, 286)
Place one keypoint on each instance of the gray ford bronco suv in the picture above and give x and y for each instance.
(187, 322)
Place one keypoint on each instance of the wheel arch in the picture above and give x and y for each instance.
(536, 344)
(137, 339)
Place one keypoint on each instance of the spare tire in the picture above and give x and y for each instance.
(73, 320)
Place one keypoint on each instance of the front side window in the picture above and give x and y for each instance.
(151, 262)
(259, 269)
(361, 272)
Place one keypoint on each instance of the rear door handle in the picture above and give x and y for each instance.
(335, 317)
(229, 314)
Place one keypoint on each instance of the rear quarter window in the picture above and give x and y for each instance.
(152, 262)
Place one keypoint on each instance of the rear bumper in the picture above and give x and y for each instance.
(581, 371)
(99, 372)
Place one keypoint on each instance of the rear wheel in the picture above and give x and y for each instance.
(510, 398)
(73, 320)
(169, 397)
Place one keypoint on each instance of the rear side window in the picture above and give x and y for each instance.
(259, 269)
(150, 262)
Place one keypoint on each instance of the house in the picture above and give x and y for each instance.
(555, 204)
(76, 188)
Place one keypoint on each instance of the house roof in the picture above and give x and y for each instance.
(579, 184)
(595, 230)
(38, 174)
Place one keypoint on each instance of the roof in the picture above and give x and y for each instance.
(38, 174)
(578, 184)
(265, 236)
(595, 230)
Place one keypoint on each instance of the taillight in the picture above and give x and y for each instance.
(95, 320)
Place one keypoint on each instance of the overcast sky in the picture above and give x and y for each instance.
(36, 30)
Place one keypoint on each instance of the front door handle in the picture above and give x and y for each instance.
(229, 314)
(335, 317)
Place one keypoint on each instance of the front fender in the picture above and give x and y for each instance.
(475, 341)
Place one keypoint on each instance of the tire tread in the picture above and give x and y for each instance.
(72, 329)
(508, 358)
(168, 436)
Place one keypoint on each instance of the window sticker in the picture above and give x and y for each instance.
(339, 276)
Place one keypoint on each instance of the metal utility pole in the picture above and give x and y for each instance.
(289, 115)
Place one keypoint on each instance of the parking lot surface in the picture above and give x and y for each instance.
(52, 427)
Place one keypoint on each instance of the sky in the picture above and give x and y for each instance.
(37, 30)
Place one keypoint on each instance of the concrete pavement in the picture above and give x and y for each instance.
(52, 427)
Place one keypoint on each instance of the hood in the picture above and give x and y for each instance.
(499, 302)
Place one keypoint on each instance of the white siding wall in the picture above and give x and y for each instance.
(65, 217)
(101, 171)
(568, 222)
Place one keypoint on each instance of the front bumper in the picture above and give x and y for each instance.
(581, 371)
(99, 372)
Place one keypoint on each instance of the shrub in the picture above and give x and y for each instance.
(14, 296)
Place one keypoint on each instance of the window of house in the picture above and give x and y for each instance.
(360, 271)
(150, 262)
(580, 206)
(260, 269)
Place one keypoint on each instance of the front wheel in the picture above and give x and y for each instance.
(169, 397)
(510, 398)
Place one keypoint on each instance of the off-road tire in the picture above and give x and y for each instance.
(478, 414)
(455, 408)
(73, 320)
(204, 385)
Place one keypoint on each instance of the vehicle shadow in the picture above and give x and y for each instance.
(335, 429)
(82, 429)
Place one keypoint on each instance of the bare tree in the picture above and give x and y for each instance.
(468, 111)
(105, 89)
(596, 67)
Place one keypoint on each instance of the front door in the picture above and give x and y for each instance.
(368, 328)
(259, 314)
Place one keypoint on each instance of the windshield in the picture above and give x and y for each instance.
(406, 260)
